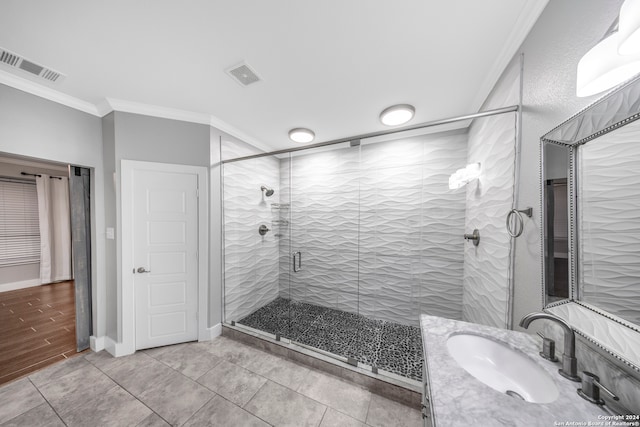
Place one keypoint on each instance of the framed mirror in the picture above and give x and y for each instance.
(590, 197)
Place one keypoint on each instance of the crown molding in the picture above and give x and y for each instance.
(45, 92)
(525, 22)
(237, 133)
(103, 107)
(108, 105)
(132, 107)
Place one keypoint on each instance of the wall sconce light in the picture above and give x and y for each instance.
(616, 58)
(463, 176)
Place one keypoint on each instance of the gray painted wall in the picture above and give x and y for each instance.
(111, 220)
(37, 128)
(153, 139)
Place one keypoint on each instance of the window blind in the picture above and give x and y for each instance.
(19, 224)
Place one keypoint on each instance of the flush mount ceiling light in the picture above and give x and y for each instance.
(616, 58)
(301, 135)
(397, 114)
(603, 68)
(629, 28)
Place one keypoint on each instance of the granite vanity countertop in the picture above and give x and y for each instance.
(459, 399)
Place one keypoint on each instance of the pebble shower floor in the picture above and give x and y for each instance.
(386, 345)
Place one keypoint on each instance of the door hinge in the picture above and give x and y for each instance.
(197, 193)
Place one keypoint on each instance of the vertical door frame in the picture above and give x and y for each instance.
(126, 297)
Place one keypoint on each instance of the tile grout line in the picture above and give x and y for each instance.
(311, 369)
(187, 377)
(47, 402)
(241, 408)
(326, 405)
(256, 392)
(128, 392)
(366, 418)
(326, 409)
(195, 412)
(274, 382)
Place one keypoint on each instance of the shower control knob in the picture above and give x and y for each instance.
(474, 237)
(263, 230)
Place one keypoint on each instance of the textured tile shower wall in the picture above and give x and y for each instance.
(489, 199)
(379, 230)
(251, 260)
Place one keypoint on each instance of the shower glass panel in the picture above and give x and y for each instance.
(325, 216)
(362, 239)
(256, 225)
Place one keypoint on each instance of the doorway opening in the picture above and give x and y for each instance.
(45, 264)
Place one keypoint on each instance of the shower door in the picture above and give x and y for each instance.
(323, 256)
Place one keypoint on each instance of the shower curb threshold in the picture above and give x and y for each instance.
(391, 386)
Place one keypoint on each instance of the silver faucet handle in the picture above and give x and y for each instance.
(548, 348)
(591, 387)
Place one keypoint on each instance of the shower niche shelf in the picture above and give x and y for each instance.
(280, 206)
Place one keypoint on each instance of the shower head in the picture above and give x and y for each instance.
(268, 191)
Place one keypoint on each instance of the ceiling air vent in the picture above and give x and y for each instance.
(16, 61)
(243, 74)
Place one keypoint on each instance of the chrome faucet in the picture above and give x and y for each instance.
(569, 362)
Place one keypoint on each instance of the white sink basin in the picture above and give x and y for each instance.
(502, 368)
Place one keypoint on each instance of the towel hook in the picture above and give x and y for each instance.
(519, 222)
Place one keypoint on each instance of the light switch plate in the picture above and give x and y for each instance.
(110, 233)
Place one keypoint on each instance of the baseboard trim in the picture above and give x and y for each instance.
(110, 346)
(96, 343)
(13, 286)
(211, 333)
(117, 349)
(121, 349)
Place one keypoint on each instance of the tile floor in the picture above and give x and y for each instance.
(386, 345)
(216, 383)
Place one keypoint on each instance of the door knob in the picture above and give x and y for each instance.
(142, 270)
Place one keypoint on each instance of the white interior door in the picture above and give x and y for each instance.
(165, 257)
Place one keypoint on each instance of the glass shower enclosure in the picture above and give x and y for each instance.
(340, 248)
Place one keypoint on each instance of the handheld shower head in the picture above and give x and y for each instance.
(268, 191)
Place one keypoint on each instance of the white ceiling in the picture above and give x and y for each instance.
(329, 65)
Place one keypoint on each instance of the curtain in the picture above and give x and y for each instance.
(55, 228)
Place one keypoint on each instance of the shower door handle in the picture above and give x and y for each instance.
(297, 266)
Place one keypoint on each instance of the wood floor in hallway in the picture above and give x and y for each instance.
(37, 328)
